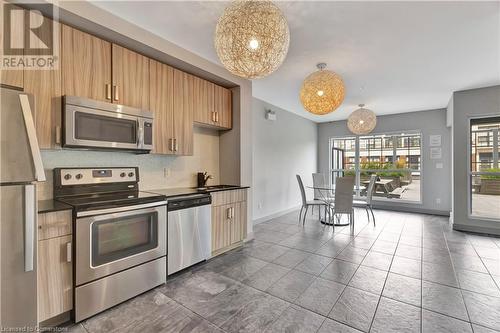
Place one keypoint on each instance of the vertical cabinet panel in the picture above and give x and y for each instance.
(162, 105)
(45, 85)
(130, 78)
(226, 111)
(55, 286)
(86, 65)
(13, 78)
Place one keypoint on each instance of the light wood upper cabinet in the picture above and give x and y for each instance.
(201, 100)
(85, 65)
(130, 78)
(45, 85)
(55, 277)
(212, 105)
(183, 113)
(162, 105)
(171, 102)
(13, 78)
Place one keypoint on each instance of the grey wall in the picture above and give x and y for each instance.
(281, 149)
(467, 104)
(436, 183)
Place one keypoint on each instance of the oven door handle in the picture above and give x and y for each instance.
(119, 209)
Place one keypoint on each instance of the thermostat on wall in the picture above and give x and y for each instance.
(270, 115)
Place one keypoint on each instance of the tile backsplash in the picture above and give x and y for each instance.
(182, 169)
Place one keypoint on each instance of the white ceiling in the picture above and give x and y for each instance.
(393, 56)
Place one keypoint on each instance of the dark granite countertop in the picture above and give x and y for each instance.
(50, 205)
(181, 191)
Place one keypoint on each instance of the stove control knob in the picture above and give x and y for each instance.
(131, 174)
(79, 176)
(67, 176)
(122, 174)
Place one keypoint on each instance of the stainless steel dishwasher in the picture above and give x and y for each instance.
(189, 232)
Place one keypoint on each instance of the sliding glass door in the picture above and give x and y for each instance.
(484, 168)
(394, 157)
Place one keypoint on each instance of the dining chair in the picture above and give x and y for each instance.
(343, 200)
(305, 202)
(367, 201)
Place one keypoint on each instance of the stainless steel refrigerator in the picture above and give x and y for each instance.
(20, 169)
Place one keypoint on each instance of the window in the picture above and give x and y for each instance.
(484, 172)
(394, 158)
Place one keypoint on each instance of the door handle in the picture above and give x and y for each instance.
(216, 116)
(176, 146)
(141, 137)
(171, 144)
(68, 252)
(29, 227)
(115, 93)
(228, 213)
(108, 91)
(58, 134)
(213, 116)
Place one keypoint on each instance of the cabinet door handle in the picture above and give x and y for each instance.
(216, 116)
(108, 91)
(176, 146)
(213, 116)
(171, 144)
(115, 93)
(228, 213)
(68, 252)
(58, 134)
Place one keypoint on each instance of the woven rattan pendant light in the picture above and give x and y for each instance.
(322, 92)
(252, 38)
(362, 121)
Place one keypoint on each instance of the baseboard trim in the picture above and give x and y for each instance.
(413, 210)
(275, 215)
(477, 229)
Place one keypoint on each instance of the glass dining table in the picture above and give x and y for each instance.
(327, 195)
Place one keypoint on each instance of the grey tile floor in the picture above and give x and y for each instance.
(409, 273)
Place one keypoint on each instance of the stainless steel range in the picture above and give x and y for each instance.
(119, 235)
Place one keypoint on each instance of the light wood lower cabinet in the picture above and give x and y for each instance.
(55, 268)
(229, 220)
(55, 277)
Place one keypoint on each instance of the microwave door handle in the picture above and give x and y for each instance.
(140, 144)
(30, 130)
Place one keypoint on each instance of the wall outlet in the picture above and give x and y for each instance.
(259, 205)
(166, 172)
(438, 201)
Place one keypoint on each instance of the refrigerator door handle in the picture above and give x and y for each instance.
(30, 129)
(29, 227)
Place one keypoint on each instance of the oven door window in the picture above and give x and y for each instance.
(119, 238)
(94, 127)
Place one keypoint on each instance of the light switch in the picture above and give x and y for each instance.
(439, 165)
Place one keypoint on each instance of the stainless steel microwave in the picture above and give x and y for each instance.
(91, 124)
